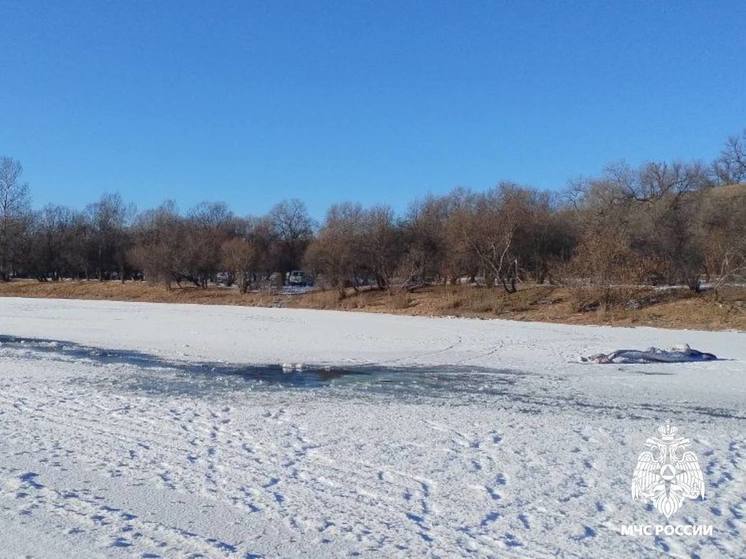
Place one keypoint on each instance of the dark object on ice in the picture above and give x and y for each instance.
(679, 354)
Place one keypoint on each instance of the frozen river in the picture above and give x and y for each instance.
(139, 430)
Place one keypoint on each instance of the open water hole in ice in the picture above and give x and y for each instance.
(154, 374)
(120, 371)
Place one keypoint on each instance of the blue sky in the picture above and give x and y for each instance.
(252, 102)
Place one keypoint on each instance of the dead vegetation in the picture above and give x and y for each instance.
(607, 246)
(625, 306)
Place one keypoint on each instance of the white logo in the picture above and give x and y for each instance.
(667, 473)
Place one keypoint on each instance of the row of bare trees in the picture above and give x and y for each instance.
(675, 223)
(500, 235)
(210, 239)
(660, 223)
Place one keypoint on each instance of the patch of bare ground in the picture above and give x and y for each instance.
(621, 306)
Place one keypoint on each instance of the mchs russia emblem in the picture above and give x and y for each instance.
(667, 473)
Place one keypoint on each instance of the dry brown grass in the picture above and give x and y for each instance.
(673, 308)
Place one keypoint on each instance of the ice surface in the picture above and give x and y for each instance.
(141, 430)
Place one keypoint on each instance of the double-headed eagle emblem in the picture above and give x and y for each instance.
(667, 473)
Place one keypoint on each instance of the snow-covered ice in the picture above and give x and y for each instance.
(130, 430)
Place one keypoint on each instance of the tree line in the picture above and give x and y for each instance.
(659, 222)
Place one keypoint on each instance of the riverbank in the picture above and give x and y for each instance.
(624, 306)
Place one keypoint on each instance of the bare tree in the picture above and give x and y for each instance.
(489, 224)
(461, 260)
(730, 167)
(427, 241)
(109, 218)
(208, 226)
(14, 207)
(722, 230)
(336, 254)
(293, 231)
(383, 246)
(51, 240)
(546, 238)
(246, 255)
(665, 199)
(159, 236)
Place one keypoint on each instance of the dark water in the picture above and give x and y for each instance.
(158, 375)
(528, 392)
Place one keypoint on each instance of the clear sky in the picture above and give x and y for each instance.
(380, 101)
